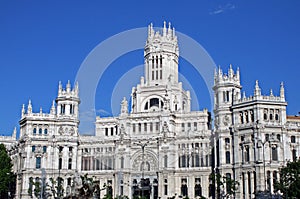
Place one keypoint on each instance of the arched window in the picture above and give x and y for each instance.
(45, 131)
(34, 130)
(40, 131)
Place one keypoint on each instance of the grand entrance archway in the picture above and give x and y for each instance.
(144, 175)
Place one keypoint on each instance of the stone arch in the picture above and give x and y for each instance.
(150, 161)
(149, 104)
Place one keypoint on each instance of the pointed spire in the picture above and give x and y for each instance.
(23, 110)
(164, 29)
(173, 33)
(151, 29)
(124, 106)
(257, 91)
(76, 89)
(41, 110)
(220, 71)
(244, 95)
(230, 72)
(282, 95)
(29, 107)
(68, 86)
(170, 30)
(14, 135)
(59, 88)
(215, 73)
(271, 93)
(53, 108)
(238, 73)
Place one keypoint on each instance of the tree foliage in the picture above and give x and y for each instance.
(225, 186)
(289, 182)
(7, 177)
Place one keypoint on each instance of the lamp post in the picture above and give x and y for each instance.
(142, 145)
(264, 162)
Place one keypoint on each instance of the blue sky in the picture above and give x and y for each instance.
(44, 42)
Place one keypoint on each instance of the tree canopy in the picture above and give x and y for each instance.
(7, 178)
(289, 182)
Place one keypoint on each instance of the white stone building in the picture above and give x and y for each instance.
(159, 138)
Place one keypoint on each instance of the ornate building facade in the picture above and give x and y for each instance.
(159, 142)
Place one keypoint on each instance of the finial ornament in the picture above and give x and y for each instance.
(282, 95)
(257, 91)
(29, 107)
(23, 110)
(164, 29)
(68, 86)
(14, 135)
(124, 106)
(53, 108)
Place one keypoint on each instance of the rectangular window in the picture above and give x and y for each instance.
(156, 74)
(166, 190)
(33, 148)
(151, 127)
(140, 127)
(38, 163)
(70, 163)
(165, 161)
(69, 181)
(160, 74)
(294, 154)
(59, 163)
(122, 162)
(157, 126)
(195, 126)
(44, 149)
(112, 131)
(145, 127)
(133, 128)
(274, 154)
(293, 139)
(227, 157)
(106, 131)
(152, 75)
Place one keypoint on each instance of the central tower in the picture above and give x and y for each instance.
(160, 89)
(161, 56)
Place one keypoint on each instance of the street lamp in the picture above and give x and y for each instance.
(264, 161)
(142, 145)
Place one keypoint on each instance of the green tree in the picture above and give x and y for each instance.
(225, 186)
(7, 177)
(289, 182)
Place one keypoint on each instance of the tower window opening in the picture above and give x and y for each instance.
(160, 61)
(153, 62)
(63, 108)
(156, 61)
(154, 102)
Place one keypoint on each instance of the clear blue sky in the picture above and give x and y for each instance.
(43, 42)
